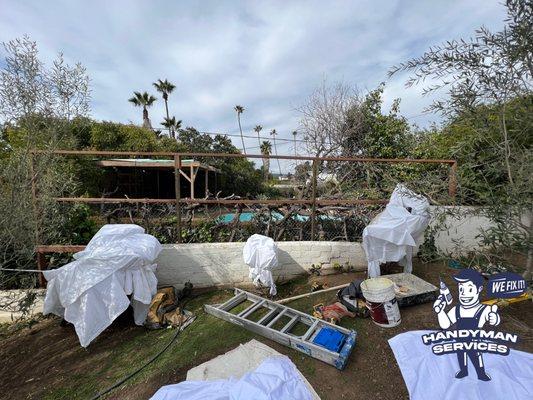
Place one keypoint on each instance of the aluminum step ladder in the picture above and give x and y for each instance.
(270, 325)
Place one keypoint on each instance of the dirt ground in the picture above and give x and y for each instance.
(45, 361)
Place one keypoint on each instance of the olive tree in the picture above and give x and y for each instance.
(486, 74)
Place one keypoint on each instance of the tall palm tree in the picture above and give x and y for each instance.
(165, 88)
(172, 125)
(266, 150)
(240, 110)
(143, 100)
(273, 133)
(258, 129)
(294, 133)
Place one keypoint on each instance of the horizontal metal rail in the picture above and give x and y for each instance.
(240, 155)
(119, 200)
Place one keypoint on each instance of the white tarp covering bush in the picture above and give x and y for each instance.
(395, 234)
(260, 253)
(275, 378)
(91, 291)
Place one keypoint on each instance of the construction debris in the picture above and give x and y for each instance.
(332, 313)
(164, 310)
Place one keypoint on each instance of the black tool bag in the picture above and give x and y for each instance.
(348, 296)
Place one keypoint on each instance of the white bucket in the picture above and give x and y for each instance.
(381, 301)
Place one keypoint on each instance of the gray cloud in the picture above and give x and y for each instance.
(265, 55)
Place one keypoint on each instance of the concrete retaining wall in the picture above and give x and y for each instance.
(221, 264)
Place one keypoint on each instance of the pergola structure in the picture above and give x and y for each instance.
(192, 166)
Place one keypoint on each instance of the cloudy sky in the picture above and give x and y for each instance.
(267, 56)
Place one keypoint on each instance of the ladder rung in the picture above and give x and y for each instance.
(310, 331)
(268, 316)
(234, 301)
(290, 324)
(251, 309)
(277, 317)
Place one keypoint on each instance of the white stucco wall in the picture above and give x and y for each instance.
(461, 224)
(221, 264)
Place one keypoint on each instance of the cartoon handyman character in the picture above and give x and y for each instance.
(469, 314)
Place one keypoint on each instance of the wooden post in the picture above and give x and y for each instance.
(313, 198)
(452, 181)
(177, 186)
(192, 181)
(42, 265)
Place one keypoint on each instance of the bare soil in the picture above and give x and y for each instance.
(46, 361)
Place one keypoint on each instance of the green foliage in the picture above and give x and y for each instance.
(80, 225)
(474, 140)
(119, 137)
(374, 134)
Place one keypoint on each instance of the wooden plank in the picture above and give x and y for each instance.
(59, 248)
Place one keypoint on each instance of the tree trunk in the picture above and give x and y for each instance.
(240, 129)
(266, 167)
(170, 130)
(507, 149)
(528, 274)
(146, 120)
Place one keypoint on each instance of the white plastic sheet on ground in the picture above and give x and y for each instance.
(396, 233)
(275, 378)
(260, 254)
(91, 291)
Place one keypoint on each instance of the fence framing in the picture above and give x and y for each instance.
(313, 202)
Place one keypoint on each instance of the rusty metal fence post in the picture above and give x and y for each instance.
(177, 187)
(313, 198)
(452, 181)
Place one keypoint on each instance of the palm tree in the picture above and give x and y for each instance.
(172, 125)
(273, 133)
(294, 133)
(165, 88)
(266, 150)
(240, 110)
(258, 129)
(143, 100)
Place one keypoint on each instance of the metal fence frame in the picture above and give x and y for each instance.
(313, 201)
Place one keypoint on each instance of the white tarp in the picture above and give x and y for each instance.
(396, 233)
(260, 254)
(275, 378)
(237, 362)
(91, 291)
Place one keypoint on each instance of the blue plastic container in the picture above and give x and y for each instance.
(330, 338)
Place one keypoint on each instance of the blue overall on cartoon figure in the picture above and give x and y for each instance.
(469, 314)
